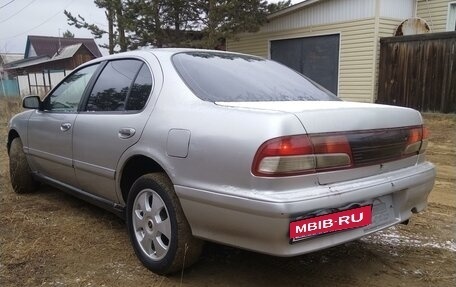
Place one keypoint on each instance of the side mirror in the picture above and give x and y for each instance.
(31, 102)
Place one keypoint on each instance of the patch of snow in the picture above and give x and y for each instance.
(392, 237)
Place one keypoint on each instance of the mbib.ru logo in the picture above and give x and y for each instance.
(347, 219)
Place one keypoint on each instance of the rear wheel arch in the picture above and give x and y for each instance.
(158, 229)
(135, 167)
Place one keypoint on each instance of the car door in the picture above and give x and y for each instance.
(111, 122)
(50, 129)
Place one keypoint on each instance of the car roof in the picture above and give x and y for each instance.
(159, 52)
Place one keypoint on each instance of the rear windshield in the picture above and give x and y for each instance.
(221, 77)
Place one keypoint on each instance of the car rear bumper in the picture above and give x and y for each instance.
(261, 224)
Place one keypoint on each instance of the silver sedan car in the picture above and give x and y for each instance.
(193, 145)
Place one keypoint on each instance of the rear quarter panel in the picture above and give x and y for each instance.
(223, 140)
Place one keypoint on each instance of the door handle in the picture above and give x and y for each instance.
(65, 127)
(126, 133)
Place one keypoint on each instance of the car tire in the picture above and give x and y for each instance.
(20, 174)
(157, 227)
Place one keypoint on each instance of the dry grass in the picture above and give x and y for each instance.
(9, 106)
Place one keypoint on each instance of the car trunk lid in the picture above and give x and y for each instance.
(378, 135)
(338, 116)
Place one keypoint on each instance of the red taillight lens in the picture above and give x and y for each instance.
(415, 135)
(287, 146)
(426, 133)
(293, 155)
(417, 141)
(331, 144)
(332, 151)
(424, 142)
(284, 156)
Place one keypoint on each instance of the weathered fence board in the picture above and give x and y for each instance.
(419, 72)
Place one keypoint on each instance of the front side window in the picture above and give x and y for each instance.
(113, 85)
(68, 94)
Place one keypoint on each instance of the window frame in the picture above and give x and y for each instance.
(84, 93)
(84, 102)
(133, 83)
(450, 27)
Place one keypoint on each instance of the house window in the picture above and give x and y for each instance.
(451, 24)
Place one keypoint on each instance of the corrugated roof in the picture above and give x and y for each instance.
(67, 52)
(45, 45)
(26, 62)
(11, 57)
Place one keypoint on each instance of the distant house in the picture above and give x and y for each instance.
(49, 46)
(336, 42)
(48, 59)
(5, 59)
(8, 85)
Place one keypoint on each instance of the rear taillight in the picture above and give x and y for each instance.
(424, 142)
(331, 151)
(303, 154)
(293, 155)
(417, 141)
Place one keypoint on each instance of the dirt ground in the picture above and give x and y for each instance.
(52, 239)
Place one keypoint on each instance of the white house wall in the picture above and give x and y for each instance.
(323, 13)
(31, 52)
(435, 12)
(56, 77)
(397, 9)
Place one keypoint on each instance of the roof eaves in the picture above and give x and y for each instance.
(27, 47)
(26, 62)
(292, 8)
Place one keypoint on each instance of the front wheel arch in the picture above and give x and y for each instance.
(21, 177)
(11, 136)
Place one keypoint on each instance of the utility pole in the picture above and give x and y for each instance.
(60, 44)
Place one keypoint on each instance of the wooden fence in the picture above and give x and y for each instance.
(419, 72)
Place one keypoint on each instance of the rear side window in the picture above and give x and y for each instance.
(140, 90)
(122, 85)
(222, 77)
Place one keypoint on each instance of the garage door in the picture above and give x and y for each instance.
(315, 57)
